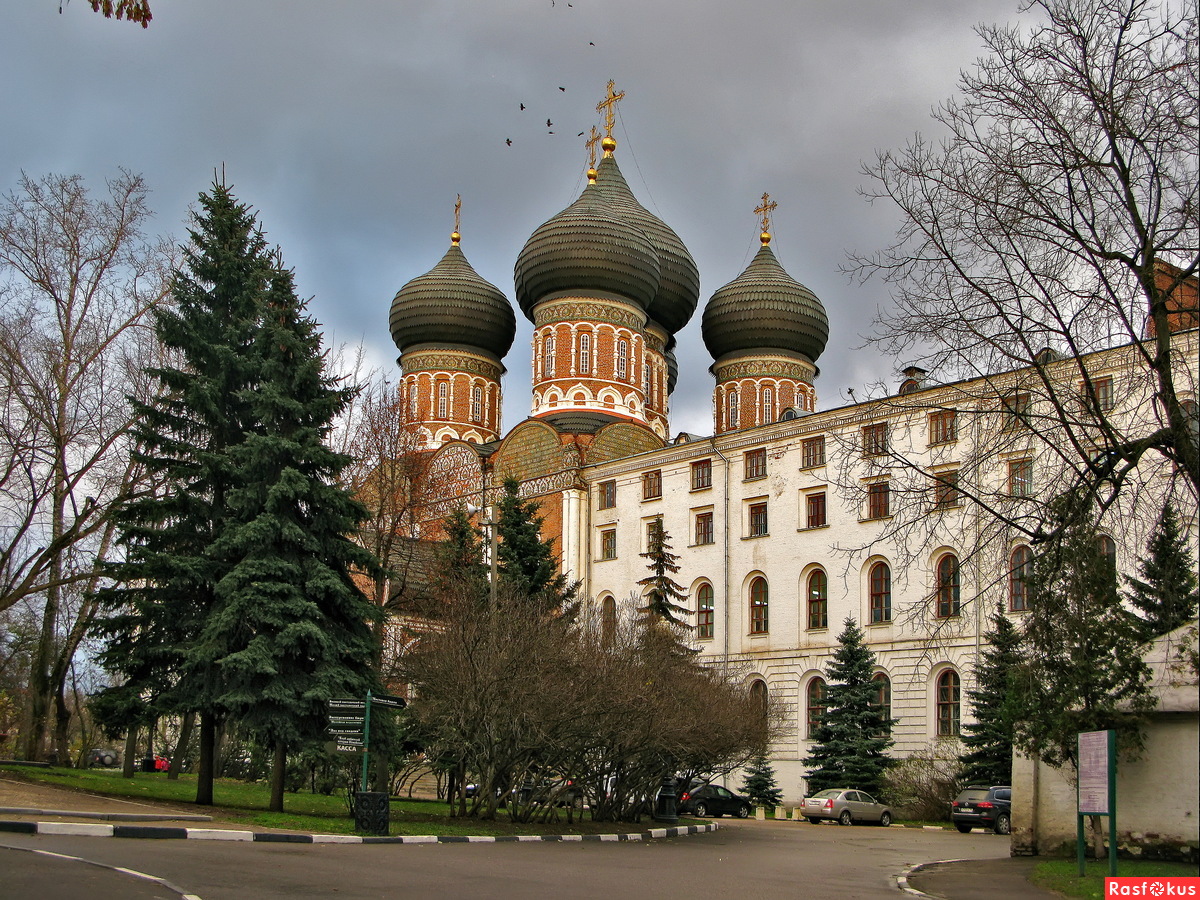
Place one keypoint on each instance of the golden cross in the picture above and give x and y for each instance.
(591, 143)
(607, 106)
(457, 210)
(765, 210)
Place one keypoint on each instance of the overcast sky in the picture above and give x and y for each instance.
(351, 125)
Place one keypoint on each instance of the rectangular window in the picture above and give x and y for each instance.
(1099, 391)
(701, 474)
(945, 490)
(756, 464)
(704, 528)
(1016, 409)
(943, 426)
(607, 494)
(815, 510)
(652, 485)
(1020, 478)
(608, 543)
(875, 439)
(813, 452)
(758, 519)
(879, 500)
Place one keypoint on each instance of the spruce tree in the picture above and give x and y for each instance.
(665, 596)
(1081, 667)
(163, 589)
(854, 734)
(288, 629)
(460, 556)
(988, 740)
(759, 784)
(527, 562)
(1165, 596)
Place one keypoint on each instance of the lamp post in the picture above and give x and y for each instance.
(490, 525)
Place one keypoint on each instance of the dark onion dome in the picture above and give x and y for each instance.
(679, 289)
(452, 304)
(764, 308)
(672, 368)
(586, 249)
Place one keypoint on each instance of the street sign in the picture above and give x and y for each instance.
(388, 701)
(348, 705)
(334, 731)
(340, 747)
(346, 720)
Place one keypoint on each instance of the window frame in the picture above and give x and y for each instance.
(1019, 571)
(812, 452)
(606, 494)
(948, 596)
(652, 485)
(946, 493)
(1020, 478)
(706, 618)
(816, 509)
(879, 592)
(476, 403)
(754, 464)
(731, 410)
(943, 427)
(608, 543)
(883, 698)
(757, 523)
(1016, 406)
(948, 703)
(875, 439)
(879, 500)
(760, 605)
(702, 474)
(585, 353)
(443, 399)
(816, 587)
(622, 359)
(709, 531)
(768, 405)
(816, 705)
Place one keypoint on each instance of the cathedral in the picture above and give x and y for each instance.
(787, 520)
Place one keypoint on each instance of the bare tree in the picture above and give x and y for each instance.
(77, 277)
(1058, 217)
(1044, 279)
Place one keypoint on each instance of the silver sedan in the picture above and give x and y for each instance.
(845, 806)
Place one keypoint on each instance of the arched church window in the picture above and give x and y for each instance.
(732, 408)
(622, 359)
(476, 403)
(585, 354)
(548, 363)
(443, 399)
(768, 406)
(412, 400)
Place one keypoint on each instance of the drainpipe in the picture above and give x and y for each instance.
(725, 559)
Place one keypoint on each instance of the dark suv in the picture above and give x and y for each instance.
(979, 806)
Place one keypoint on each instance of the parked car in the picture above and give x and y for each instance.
(713, 800)
(102, 757)
(845, 806)
(980, 806)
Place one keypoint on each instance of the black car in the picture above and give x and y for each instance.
(980, 806)
(713, 800)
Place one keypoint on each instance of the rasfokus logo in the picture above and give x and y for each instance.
(1147, 886)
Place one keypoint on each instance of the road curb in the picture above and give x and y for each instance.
(284, 837)
(902, 880)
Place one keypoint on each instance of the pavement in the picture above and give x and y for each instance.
(25, 802)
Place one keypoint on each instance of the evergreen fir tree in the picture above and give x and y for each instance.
(289, 629)
(460, 556)
(1081, 667)
(989, 739)
(665, 596)
(1165, 596)
(760, 784)
(163, 589)
(527, 562)
(850, 744)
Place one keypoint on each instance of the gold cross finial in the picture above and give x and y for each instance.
(765, 209)
(608, 106)
(591, 143)
(456, 237)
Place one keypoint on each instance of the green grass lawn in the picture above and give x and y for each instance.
(246, 804)
(1062, 875)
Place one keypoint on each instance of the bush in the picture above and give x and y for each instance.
(923, 785)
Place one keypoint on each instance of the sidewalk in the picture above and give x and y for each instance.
(980, 879)
(28, 801)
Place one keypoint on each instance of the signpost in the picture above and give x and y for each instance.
(1096, 791)
(349, 730)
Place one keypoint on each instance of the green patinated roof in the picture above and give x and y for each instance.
(679, 287)
(587, 248)
(764, 308)
(452, 304)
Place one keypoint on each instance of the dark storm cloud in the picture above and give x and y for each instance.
(352, 126)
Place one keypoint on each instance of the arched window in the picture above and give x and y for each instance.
(1020, 567)
(443, 401)
(817, 693)
(758, 696)
(476, 403)
(949, 703)
(883, 698)
(548, 349)
(585, 354)
(646, 381)
(1108, 549)
(622, 359)
(412, 400)
(608, 619)
(732, 408)
(818, 600)
(947, 586)
(881, 593)
(704, 612)
(759, 620)
(768, 406)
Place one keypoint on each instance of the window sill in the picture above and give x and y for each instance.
(812, 527)
(697, 490)
(651, 499)
(755, 537)
(864, 521)
(601, 559)
(758, 634)
(879, 623)
(753, 478)
(813, 467)
(705, 544)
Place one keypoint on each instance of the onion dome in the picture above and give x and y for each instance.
(452, 304)
(587, 248)
(672, 368)
(679, 288)
(764, 308)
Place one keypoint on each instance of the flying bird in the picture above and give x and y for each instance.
(591, 43)
(548, 123)
(508, 141)
(522, 106)
(563, 89)
(579, 135)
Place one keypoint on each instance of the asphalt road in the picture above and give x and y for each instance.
(746, 860)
